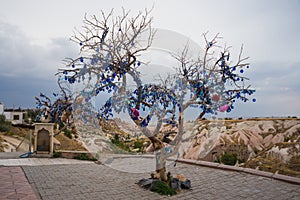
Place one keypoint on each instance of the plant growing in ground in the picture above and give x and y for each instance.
(68, 133)
(138, 144)
(162, 188)
(5, 126)
(229, 159)
(56, 154)
(84, 156)
(119, 143)
(109, 58)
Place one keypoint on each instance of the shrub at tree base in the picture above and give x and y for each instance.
(162, 188)
(171, 187)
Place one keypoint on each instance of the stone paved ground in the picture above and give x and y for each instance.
(14, 185)
(117, 177)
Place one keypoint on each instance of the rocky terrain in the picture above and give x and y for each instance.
(269, 144)
(9, 141)
(112, 136)
(266, 144)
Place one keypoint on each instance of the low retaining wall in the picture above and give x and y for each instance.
(75, 154)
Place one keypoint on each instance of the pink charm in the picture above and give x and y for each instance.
(224, 108)
(215, 97)
(135, 112)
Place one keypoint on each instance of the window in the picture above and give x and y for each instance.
(16, 117)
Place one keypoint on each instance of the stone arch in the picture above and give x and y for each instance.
(43, 140)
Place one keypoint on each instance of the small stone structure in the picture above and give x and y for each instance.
(43, 139)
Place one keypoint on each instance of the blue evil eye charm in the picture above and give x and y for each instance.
(242, 71)
(81, 59)
(254, 100)
(80, 43)
(168, 149)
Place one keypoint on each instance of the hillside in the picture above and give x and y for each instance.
(266, 144)
(10, 140)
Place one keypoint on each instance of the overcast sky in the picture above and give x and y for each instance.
(34, 39)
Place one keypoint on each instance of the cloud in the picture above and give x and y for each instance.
(268, 29)
(20, 57)
(277, 89)
(27, 68)
(20, 91)
(272, 77)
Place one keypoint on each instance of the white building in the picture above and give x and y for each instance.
(1, 109)
(15, 116)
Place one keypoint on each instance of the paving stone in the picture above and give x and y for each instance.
(117, 180)
(107, 182)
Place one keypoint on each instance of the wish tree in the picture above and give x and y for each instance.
(109, 64)
(57, 111)
(209, 84)
(109, 49)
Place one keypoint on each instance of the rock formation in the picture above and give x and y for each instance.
(252, 140)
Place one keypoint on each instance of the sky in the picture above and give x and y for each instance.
(34, 40)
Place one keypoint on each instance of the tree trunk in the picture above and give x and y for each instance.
(161, 167)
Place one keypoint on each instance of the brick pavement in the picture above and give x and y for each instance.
(116, 180)
(14, 185)
(117, 177)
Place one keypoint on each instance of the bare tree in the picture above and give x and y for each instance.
(60, 111)
(109, 52)
(210, 84)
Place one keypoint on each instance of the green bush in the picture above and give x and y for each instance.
(162, 188)
(56, 154)
(2, 119)
(84, 156)
(229, 159)
(138, 144)
(116, 141)
(68, 133)
(4, 125)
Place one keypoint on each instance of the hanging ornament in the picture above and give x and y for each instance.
(135, 112)
(224, 108)
(215, 97)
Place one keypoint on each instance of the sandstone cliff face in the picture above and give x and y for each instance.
(208, 140)
(267, 144)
